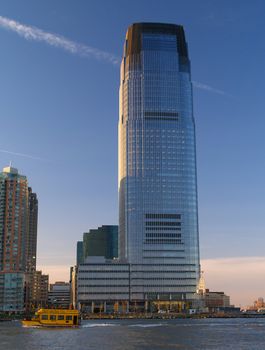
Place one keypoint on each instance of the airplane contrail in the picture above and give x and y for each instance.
(210, 89)
(21, 154)
(36, 34)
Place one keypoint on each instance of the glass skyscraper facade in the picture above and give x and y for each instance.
(158, 266)
(158, 212)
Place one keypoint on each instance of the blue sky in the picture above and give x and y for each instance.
(63, 108)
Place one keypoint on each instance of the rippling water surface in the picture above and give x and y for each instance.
(218, 334)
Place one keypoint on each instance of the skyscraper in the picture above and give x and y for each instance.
(158, 266)
(18, 235)
(31, 249)
(158, 214)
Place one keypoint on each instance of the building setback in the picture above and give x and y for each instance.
(79, 253)
(102, 241)
(158, 212)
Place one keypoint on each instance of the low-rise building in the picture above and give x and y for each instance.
(215, 300)
(39, 290)
(113, 286)
(59, 295)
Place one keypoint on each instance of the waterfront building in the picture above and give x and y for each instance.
(31, 248)
(79, 253)
(102, 241)
(158, 265)
(73, 286)
(12, 289)
(113, 286)
(257, 305)
(39, 289)
(216, 300)
(18, 235)
(158, 214)
(59, 295)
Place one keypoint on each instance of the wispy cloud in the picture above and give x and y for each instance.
(210, 89)
(35, 34)
(21, 154)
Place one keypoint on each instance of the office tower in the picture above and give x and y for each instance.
(102, 241)
(79, 253)
(158, 215)
(158, 265)
(18, 234)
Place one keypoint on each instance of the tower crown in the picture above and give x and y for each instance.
(10, 170)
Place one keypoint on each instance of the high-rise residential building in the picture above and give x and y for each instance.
(13, 220)
(18, 235)
(31, 249)
(158, 219)
(102, 241)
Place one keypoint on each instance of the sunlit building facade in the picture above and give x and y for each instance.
(158, 266)
(18, 239)
(158, 218)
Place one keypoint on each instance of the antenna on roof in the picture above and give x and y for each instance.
(10, 163)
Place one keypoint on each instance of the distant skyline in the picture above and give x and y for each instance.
(58, 133)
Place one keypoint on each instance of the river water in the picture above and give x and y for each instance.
(217, 334)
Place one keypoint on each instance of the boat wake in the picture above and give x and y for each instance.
(148, 325)
(91, 325)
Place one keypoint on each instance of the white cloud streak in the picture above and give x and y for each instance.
(35, 34)
(201, 86)
(20, 154)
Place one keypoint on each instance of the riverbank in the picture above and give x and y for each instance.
(146, 316)
(166, 316)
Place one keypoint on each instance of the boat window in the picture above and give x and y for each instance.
(53, 317)
(44, 317)
(60, 317)
(68, 318)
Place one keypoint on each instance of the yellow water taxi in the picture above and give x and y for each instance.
(53, 318)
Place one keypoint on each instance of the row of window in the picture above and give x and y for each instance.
(163, 241)
(163, 229)
(140, 285)
(162, 118)
(132, 278)
(160, 114)
(162, 235)
(111, 265)
(162, 223)
(162, 216)
(59, 317)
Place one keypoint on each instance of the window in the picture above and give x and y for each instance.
(60, 317)
(44, 317)
(53, 317)
(68, 318)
